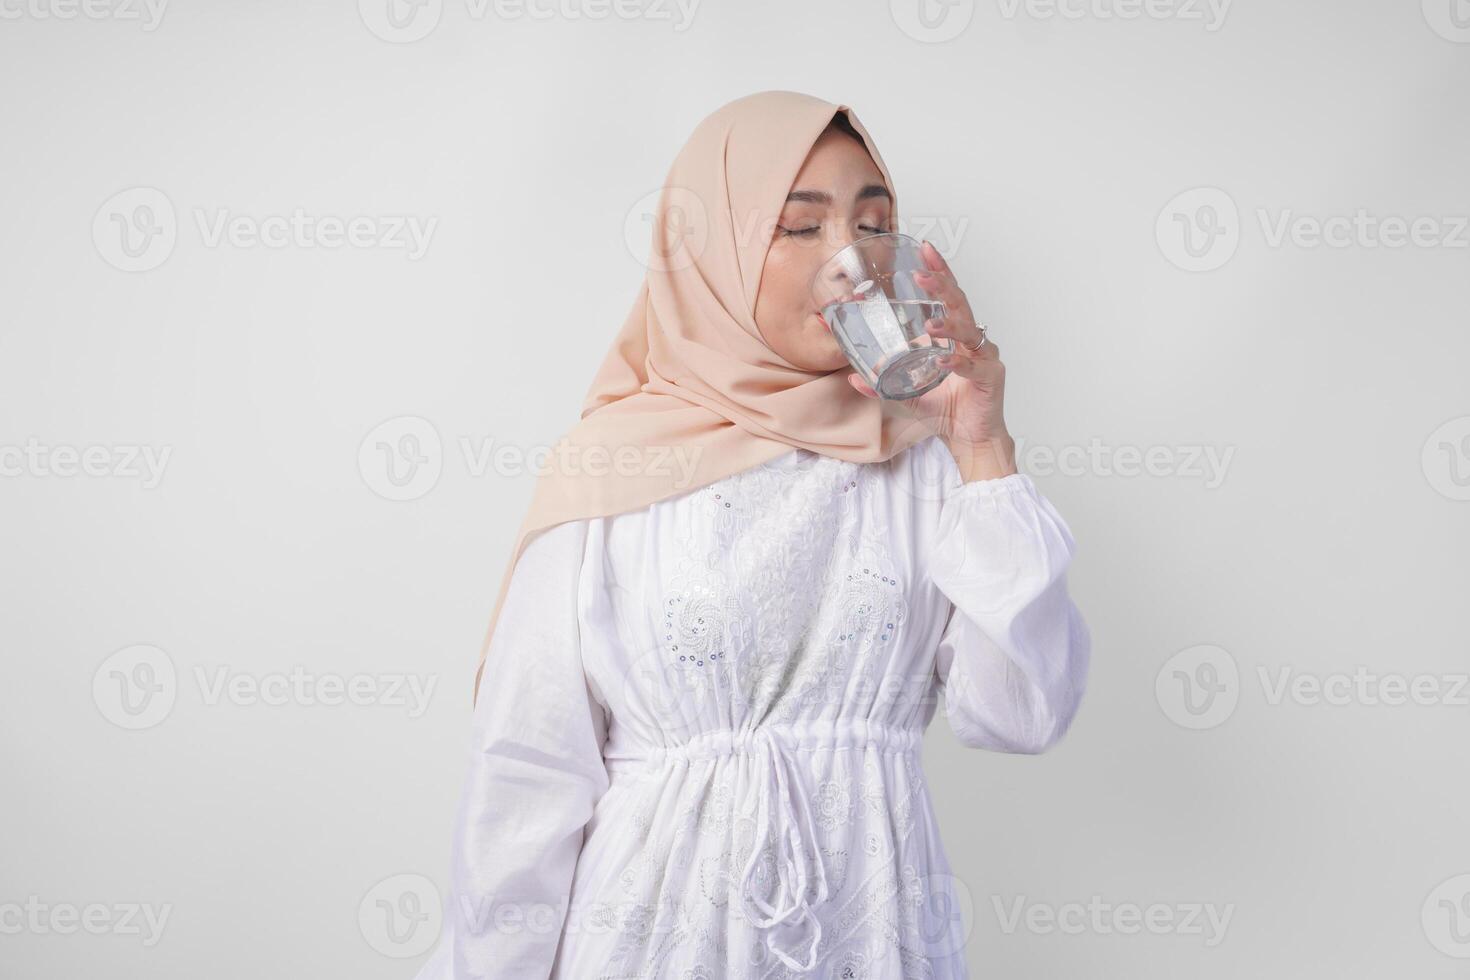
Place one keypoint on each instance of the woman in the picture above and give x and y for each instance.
(697, 735)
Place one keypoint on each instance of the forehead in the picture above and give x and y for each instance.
(837, 163)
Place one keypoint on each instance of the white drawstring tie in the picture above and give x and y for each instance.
(793, 853)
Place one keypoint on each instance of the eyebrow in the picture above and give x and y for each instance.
(822, 197)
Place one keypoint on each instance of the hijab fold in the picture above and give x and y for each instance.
(690, 372)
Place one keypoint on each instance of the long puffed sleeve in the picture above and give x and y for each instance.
(535, 774)
(1014, 655)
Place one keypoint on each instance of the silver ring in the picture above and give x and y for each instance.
(976, 349)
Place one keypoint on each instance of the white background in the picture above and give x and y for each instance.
(1059, 154)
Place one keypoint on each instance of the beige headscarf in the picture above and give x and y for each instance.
(689, 375)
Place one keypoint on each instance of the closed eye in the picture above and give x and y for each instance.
(808, 232)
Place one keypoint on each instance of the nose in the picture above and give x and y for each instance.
(839, 273)
(842, 277)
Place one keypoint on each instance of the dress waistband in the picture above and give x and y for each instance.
(784, 810)
(795, 737)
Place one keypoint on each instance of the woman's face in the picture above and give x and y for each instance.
(838, 197)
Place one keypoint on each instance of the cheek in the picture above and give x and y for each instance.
(787, 314)
(788, 277)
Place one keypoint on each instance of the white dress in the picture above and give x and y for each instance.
(696, 749)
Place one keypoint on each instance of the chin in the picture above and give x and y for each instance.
(827, 357)
(838, 362)
(813, 348)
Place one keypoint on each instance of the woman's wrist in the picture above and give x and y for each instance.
(987, 459)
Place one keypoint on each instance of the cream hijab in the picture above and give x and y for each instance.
(690, 392)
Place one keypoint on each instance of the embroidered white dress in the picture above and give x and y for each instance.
(696, 749)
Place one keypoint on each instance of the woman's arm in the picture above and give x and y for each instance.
(1014, 653)
(535, 774)
(1013, 659)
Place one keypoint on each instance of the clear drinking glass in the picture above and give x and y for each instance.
(868, 297)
